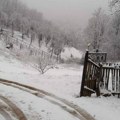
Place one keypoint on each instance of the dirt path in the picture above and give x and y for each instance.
(64, 104)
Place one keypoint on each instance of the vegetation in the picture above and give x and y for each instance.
(18, 17)
(103, 31)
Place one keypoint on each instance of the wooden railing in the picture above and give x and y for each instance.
(90, 78)
(98, 76)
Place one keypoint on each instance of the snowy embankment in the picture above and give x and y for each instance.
(63, 81)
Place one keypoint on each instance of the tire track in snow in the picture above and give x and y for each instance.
(64, 104)
(18, 113)
(5, 114)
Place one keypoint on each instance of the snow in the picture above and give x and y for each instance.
(102, 108)
(63, 81)
(71, 51)
(35, 108)
(1, 117)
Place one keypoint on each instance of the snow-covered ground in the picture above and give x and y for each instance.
(71, 53)
(63, 81)
(33, 107)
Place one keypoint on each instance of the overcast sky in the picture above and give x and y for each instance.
(74, 12)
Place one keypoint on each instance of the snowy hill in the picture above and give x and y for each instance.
(25, 47)
(70, 53)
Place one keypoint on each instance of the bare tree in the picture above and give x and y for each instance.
(44, 64)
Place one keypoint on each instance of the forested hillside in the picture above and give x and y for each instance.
(103, 30)
(16, 16)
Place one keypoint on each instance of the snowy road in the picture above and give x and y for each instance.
(57, 107)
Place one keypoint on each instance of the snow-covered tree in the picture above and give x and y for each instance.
(95, 30)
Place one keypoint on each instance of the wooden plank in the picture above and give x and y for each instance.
(88, 71)
(108, 76)
(87, 68)
(119, 80)
(94, 63)
(112, 72)
(104, 78)
(84, 74)
(98, 81)
(93, 72)
(114, 79)
(117, 84)
(103, 72)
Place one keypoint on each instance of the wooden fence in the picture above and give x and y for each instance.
(90, 77)
(99, 76)
(111, 79)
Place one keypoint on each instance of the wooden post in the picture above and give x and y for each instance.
(99, 79)
(84, 74)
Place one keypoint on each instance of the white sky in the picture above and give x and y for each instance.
(74, 12)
